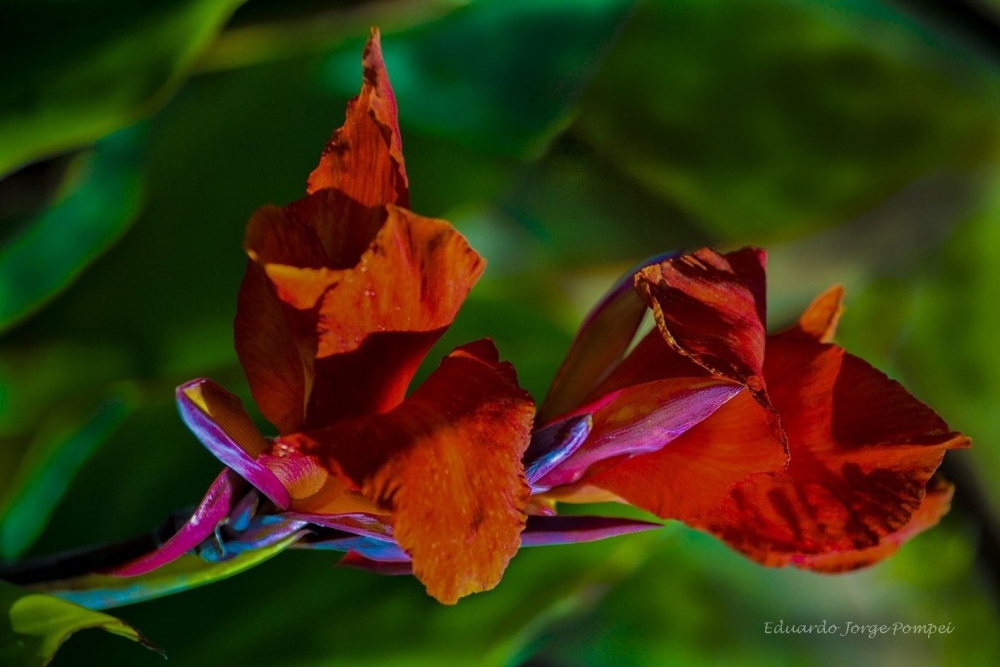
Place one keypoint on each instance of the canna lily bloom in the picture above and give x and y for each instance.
(345, 292)
(785, 446)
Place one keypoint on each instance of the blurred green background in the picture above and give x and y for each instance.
(858, 140)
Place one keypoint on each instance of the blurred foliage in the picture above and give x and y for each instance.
(74, 72)
(52, 249)
(567, 140)
(468, 78)
(802, 121)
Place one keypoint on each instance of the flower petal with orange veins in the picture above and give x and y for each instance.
(218, 419)
(604, 336)
(378, 322)
(712, 308)
(936, 503)
(364, 158)
(447, 464)
(861, 449)
(691, 476)
(819, 321)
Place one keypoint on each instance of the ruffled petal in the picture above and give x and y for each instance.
(303, 250)
(711, 308)
(346, 341)
(219, 420)
(641, 419)
(604, 336)
(936, 503)
(819, 321)
(213, 508)
(364, 158)
(691, 477)
(447, 464)
(862, 450)
(378, 322)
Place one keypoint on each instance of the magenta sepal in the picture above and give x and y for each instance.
(214, 507)
(546, 530)
(226, 449)
(645, 434)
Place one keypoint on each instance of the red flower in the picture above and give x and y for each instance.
(345, 292)
(807, 455)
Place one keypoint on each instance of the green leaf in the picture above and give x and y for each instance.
(37, 625)
(51, 250)
(70, 79)
(99, 591)
(47, 466)
(767, 119)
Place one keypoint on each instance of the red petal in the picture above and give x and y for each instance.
(711, 308)
(819, 321)
(652, 359)
(691, 476)
(277, 362)
(861, 450)
(936, 503)
(447, 464)
(364, 158)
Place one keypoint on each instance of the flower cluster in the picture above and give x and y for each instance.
(785, 446)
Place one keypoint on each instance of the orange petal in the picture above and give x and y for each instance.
(447, 464)
(819, 321)
(319, 343)
(691, 476)
(861, 449)
(380, 319)
(936, 503)
(711, 308)
(364, 158)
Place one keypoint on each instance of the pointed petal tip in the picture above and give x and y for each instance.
(819, 320)
(551, 530)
